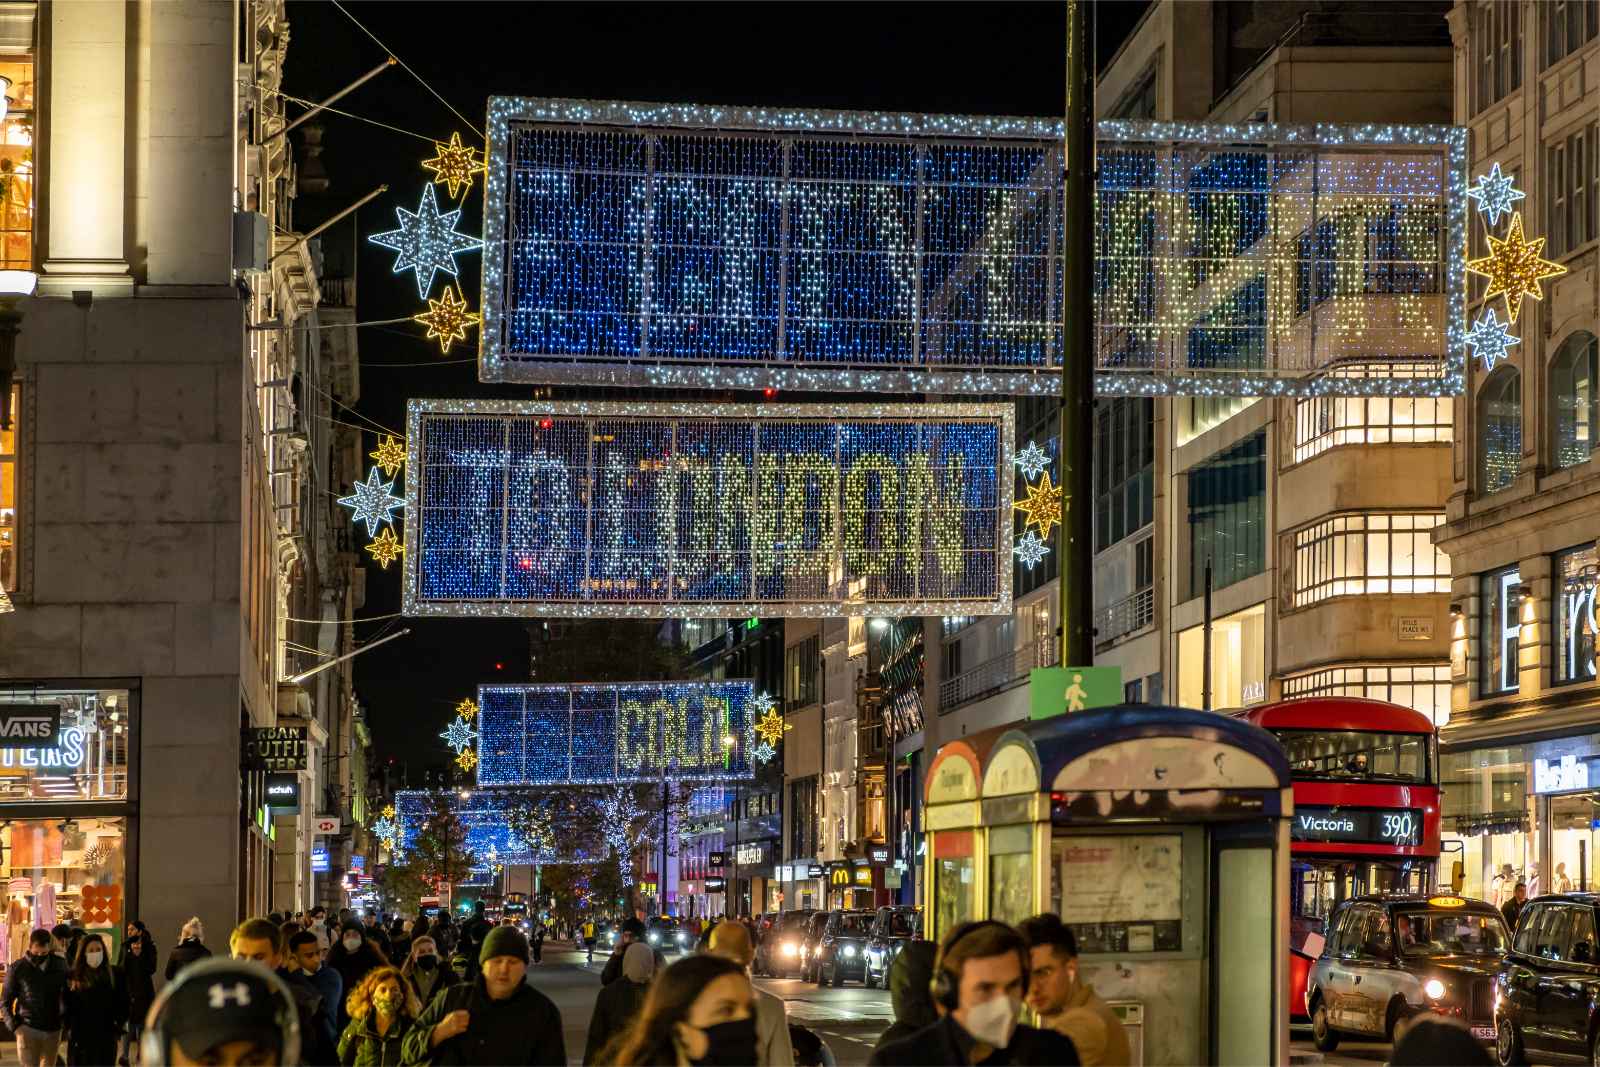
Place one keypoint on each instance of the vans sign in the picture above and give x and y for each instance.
(30, 725)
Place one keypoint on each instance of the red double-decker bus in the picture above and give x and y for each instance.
(1366, 809)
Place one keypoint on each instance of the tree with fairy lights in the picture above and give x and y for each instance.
(439, 853)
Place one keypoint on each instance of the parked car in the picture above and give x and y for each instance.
(778, 954)
(1547, 991)
(842, 951)
(891, 929)
(808, 945)
(1392, 958)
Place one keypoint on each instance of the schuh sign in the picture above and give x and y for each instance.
(33, 726)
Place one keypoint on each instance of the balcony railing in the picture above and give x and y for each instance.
(1125, 616)
(997, 675)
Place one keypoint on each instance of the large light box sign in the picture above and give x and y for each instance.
(663, 510)
(550, 735)
(707, 247)
(485, 818)
(1273, 260)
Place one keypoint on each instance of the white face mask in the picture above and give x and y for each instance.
(994, 1021)
(351, 942)
(94, 957)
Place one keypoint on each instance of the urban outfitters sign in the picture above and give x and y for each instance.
(589, 509)
(273, 748)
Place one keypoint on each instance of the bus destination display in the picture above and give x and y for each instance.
(1371, 826)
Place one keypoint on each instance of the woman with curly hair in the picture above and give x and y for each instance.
(383, 1009)
(699, 1010)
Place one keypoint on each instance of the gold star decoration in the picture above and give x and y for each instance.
(385, 548)
(467, 759)
(390, 454)
(1515, 267)
(448, 319)
(770, 727)
(467, 709)
(388, 811)
(454, 164)
(1042, 506)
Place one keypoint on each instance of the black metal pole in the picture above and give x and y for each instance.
(661, 878)
(1076, 547)
(1205, 650)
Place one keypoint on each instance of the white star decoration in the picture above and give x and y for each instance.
(427, 241)
(458, 735)
(386, 830)
(1495, 194)
(760, 704)
(1032, 461)
(372, 502)
(762, 752)
(1489, 339)
(1030, 549)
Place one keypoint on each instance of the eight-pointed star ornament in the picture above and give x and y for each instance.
(372, 502)
(385, 548)
(1032, 461)
(1042, 507)
(453, 164)
(1030, 549)
(761, 752)
(1515, 266)
(459, 735)
(1495, 194)
(427, 241)
(448, 319)
(466, 759)
(770, 727)
(467, 709)
(390, 455)
(1489, 339)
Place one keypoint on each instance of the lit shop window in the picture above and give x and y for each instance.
(1577, 576)
(1351, 555)
(78, 747)
(1499, 430)
(1238, 661)
(1423, 687)
(1324, 422)
(16, 163)
(1227, 497)
(1573, 395)
(1502, 629)
(8, 496)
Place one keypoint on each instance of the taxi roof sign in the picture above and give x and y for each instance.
(1447, 902)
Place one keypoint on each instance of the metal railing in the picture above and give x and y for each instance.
(996, 675)
(1125, 616)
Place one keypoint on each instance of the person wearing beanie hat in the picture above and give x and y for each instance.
(496, 1018)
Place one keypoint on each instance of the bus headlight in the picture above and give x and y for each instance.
(1433, 989)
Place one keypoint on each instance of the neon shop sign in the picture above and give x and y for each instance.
(69, 755)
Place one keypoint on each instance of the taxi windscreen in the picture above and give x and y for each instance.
(1426, 932)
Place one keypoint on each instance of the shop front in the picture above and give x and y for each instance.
(68, 835)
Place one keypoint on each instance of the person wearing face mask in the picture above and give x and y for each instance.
(96, 1005)
(305, 954)
(352, 956)
(700, 1011)
(979, 980)
(497, 1018)
(427, 972)
(732, 941)
(30, 1003)
(1067, 1004)
(383, 1010)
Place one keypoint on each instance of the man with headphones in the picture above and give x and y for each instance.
(979, 980)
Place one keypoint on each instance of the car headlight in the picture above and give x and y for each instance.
(849, 950)
(791, 949)
(1434, 989)
(682, 937)
(655, 938)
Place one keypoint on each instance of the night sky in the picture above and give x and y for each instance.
(987, 58)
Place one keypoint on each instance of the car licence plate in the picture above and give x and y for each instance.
(1484, 1033)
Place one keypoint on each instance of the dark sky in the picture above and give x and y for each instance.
(985, 58)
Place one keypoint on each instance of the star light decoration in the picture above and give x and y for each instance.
(1032, 461)
(427, 241)
(453, 164)
(390, 455)
(467, 709)
(459, 735)
(448, 319)
(1030, 549)
(1495, 194)
(372, 502)
(388, 812)
(1042, 507)
(1515, 267)
(466, 759)
(766, 721)
(761, 752)
(385, 549)
(387, 830)
(1489, 339)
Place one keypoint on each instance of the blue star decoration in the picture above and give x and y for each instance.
(1032, 461)
(386, 830)
(762, 752)
(1030, 549)
(373, 502)
(427, 241)
(1489, 339)
(760, 704)
(458, 735)
(1495, 194)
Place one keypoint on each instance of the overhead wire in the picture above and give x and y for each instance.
(407, 67)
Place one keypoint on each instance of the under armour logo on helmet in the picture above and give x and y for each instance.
(221, 994)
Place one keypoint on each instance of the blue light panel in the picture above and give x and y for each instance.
(490, 838)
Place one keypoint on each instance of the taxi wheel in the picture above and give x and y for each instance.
(1508, 1044)
(1322, 1032)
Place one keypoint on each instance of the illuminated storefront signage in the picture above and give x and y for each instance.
(624, 732)
(815, 870)
(716, 860)
(1386, 826)
(751, 855)
(283, 791)
(273, 748)
(69, 754)
(878, 854)
(30, 726)
(319, 859)
(716, 885)
(1560, 776)
(590, 509)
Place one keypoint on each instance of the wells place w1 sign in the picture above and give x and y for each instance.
(696, 510)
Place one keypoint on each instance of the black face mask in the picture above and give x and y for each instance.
(730, 1044)
(427, 963)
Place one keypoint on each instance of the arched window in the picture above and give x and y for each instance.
(1575, 403)
(1499, 430)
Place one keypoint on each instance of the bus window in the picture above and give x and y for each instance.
(1352, 755)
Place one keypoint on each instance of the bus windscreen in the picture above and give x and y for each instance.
(1357, 756)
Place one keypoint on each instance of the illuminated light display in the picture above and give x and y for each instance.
(453, 164)
(1248, 259)
(372, 502)
(1490, 340)
(1495, 193)
(387, 831)
(1515, 266)
(388, 811)
(427, 241)
(1030, 549)
(390, 455)
(459, 735)
(447, 319)
(1042, 506)
(693, 510)
(762, 752)
(467, 709)
(466, 759)
(385, 548)
(771, 727)
(486, 817)
(541, 735)
(706, 247)
(1032, 461)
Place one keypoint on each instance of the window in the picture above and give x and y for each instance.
(1498, 29)
(1227, 515)
(1424, 687)
(1133, 692)
(800, 667)
(16, 165)
(1502, 629)
(1233, 334)
(1238, 661)
(1352, 555)
(1499, 430)
(8, 496)
(1124, 446)
(1574, 373)
(1197, 414)
(1574, 187)
(1577, 572)
(1568, 24)
(804, 833)
(1324, 422)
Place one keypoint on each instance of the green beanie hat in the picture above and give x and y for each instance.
(504, 941)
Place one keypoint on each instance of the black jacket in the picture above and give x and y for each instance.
(525, 1028)
(187, 951)
(444, 978)
(33, 993)
(138, 974)
(352, 967)
(946, 1043)
(1512, 910)
(615, 1010)
(94, 1017)
(316, 1036)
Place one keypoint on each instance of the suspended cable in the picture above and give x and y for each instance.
(407, 67)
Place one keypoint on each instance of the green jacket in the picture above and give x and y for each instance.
(361, 1046)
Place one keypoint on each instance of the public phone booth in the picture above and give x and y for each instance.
(1161, 837)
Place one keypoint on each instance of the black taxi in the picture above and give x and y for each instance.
(1548, 993)
(1391, 958)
